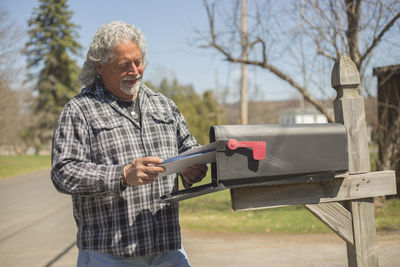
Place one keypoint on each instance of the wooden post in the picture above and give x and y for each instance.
(355, 224)
(349, 110)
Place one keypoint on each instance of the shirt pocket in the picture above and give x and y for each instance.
(162, 128)
(162, 117)
(109, 139)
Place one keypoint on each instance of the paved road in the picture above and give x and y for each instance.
(37, 229)
(36, 222)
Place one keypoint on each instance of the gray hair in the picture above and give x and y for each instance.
(104, 41)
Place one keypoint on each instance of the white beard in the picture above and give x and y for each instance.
(130, 90)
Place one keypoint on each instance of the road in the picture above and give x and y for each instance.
(36, 223)
(37, 229)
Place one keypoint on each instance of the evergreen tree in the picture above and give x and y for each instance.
(51, 43)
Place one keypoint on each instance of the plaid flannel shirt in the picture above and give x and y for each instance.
(95, 137)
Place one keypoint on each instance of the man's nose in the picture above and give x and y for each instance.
(133, 69)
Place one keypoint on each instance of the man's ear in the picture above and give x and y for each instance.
(99, 69)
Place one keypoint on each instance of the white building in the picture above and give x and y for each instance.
(299, 116)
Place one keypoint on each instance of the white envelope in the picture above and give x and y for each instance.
(202, 155)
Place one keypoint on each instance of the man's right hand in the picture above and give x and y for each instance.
(143, 170)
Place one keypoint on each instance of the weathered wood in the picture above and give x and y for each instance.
(349, 110)
(363, 252)
(336, 217)
(351, 187)
(356, 224)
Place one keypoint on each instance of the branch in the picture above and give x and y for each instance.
(263, 64)
(320, 35)
(338, 31)
(353, 11)
(325, 54)
(303, 90)
(379, 37)
(210, 15)
(259, 40)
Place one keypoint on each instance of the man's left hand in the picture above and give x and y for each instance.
(194, 173)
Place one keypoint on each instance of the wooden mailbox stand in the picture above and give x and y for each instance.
(354, 219)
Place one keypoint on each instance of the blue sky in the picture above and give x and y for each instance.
(168, 25)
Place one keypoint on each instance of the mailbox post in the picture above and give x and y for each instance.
(268, 166)
(354, 221)
(349, 110)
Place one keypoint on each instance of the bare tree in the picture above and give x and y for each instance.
(8, 118)
(9, 37)
(11, 120)
(297, 40)
(352, 27)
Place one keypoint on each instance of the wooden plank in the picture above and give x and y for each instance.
(363, 252)
(351, 187)
(349, 110)
(336, 217)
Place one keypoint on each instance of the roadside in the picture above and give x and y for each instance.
(36, 222)
(283, 250)
(252, 250)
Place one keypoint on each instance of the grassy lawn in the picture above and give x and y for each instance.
(14, 165)
(213, 212)
(388, 217)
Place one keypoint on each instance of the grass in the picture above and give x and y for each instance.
(213, 212)
(14, 165)
(388, 216)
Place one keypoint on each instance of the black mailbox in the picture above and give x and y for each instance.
(253, 155)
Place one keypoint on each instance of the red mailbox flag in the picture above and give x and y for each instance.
(259, 147)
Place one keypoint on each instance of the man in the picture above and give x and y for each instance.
(107, 147)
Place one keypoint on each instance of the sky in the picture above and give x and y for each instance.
(169, 26)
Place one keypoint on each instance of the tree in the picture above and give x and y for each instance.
(9, 36)
(11, 119)
(352, 27)
(49, 49)
(297, 41)
(200, 111)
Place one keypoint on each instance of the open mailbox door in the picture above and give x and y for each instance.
(254, 155)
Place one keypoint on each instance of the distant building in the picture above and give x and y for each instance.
(300, 116)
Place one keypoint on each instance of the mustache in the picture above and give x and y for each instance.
(132, 78)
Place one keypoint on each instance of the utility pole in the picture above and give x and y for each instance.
(243, 83)
(217, 99)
